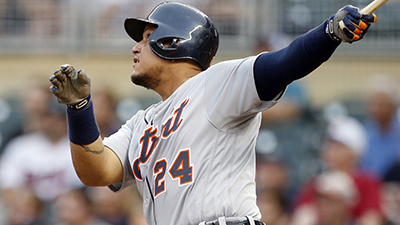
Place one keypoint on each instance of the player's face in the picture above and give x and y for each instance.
(147, 66)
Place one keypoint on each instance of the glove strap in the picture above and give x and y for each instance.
(330, 25)
(81, 105)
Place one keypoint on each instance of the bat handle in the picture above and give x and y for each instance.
(370, 8)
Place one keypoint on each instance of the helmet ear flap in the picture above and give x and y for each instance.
(168, 44)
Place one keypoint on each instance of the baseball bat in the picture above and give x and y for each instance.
(374, 5)
(370, 8)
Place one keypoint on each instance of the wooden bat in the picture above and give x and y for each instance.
(370, 8)
(374, 5)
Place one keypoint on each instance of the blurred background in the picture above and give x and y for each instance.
(37, 36)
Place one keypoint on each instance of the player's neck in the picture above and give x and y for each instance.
(176, 77)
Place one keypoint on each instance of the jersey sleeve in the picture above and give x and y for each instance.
(119, 141)
(273, 71)
(230, 93)
(119, 144)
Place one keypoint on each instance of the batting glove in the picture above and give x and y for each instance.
(354, 26)
(71, 87)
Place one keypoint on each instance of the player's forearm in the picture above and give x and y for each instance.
(95, 165)
(88, 161)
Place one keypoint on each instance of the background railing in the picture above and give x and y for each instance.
(72, 26)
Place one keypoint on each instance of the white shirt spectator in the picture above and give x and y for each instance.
(33, 161)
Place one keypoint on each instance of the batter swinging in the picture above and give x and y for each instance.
(192, 155)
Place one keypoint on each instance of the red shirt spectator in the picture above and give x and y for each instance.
(368, 194)
(352, 194)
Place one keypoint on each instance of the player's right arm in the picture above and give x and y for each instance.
(273, 71)
(95, 164)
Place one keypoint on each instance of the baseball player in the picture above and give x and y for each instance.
(192, 155)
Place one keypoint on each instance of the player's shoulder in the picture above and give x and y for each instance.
(230, 65)
(141, 115)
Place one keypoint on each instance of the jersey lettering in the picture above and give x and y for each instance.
(167, 129)
(149, 140)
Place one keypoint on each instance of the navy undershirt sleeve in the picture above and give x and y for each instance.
(273, 71)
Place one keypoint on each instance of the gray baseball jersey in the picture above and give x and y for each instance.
(193, 155)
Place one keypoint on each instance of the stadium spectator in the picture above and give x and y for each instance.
(345, 143)
(273, 207)
(105, 111)
(23, 207)
(391, 194)
(271, 174)
(122, 208)
(336, 193)
(40, 160)
(382, 126)
(75, 207)
(22, 115)
(34, 107)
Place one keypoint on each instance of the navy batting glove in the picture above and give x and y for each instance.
(349, 25)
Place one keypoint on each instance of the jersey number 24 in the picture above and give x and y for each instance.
(180, 169)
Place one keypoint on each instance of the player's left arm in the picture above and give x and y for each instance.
(273, 71)
(94, 163)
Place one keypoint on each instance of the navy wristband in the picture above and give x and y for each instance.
(82, 125)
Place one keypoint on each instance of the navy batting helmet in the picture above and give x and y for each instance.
(190, 33)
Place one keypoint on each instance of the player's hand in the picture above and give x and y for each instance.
(70, 86)
(354, 26)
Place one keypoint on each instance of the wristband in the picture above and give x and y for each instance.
(330, 29)
(82, 125)
(81, 104)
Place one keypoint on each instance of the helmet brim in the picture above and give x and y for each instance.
(134, 27)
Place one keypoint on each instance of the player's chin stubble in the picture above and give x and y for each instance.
(145, 80)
